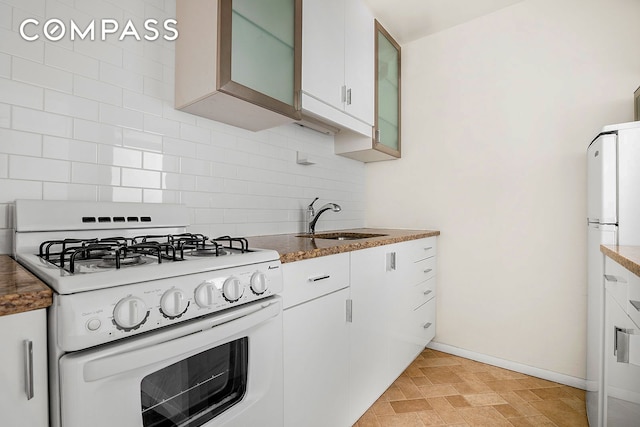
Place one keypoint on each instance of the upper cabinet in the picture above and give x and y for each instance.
(338, 64)
(239, 61)
(385, 144)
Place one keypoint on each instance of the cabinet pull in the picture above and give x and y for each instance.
(378, 136)
(428, 248)
(350, 311)
(428, 270)
(391, 261)
(428, 292)
(635, 304)
(427, 325)
(349, 96)
(318, 278)
(621, 344)
(343, 97)
(28, 368)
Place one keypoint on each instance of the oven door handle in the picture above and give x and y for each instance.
(209, 331)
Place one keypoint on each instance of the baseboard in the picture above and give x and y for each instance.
(512, 366)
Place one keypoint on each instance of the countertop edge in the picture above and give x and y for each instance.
(626, 256)
(292, 250)
(20, 290)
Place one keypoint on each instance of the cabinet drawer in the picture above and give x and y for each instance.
(420, 271)
(616, 281)
(633, 303)
(424, 322)
(420, 249)
(312, 278)
(422, 292)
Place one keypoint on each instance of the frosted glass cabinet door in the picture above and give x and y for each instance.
(260, 57)
(387, 126)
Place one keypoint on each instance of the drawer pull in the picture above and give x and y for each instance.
(428, 248)
(635, 304)
(318, 278)
(28, 368)
(428, 292)
(427, 325)
(428, 270)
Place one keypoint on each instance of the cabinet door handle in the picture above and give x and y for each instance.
(28, 369)
(391, 261)
(428, 270)
(349, 96)
(378, 136)
(621, 344)
(343, 97)
(318, 278)
(427, 325)
(428, 248)
(635, 304)
(427, 292)
(350, 311)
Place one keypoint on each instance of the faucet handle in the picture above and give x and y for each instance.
(310, 207)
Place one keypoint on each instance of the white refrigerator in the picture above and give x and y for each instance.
(613, 218)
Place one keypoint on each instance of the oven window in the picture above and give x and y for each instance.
(195, 390)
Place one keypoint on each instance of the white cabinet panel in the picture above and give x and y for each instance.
(338, 63)
(323, 24)
(312, 278)
(393, 294)
(15, 407)
(316, 368)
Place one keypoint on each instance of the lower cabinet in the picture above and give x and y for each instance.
(23, 369)
(393, 297)
(353, 322)
(316, 370)
(316, 342)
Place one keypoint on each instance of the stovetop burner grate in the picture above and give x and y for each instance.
(118, 252)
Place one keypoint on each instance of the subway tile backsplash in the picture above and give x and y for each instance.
(94, 120)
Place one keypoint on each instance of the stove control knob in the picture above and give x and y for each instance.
(173, 303)
(259, 283)
(232, 289)
(205, 294)
(130, 313)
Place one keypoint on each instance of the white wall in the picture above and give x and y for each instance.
(94, 120)
(497, 116)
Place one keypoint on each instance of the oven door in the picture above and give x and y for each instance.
(223, 370)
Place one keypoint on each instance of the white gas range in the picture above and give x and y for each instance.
(157, 323)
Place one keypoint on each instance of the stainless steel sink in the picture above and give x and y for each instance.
(341, 236)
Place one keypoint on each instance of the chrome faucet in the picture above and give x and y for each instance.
(313, 216)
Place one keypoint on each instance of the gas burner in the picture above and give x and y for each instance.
(209, 251)
(111, 260)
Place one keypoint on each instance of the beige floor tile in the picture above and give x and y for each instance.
(458, 401)
(485, 416)
(508, 411)
(550, 393)
(439, 389)
(472, 387)
(538, 421)
(401, 420)
(430, 418)
(484, 399)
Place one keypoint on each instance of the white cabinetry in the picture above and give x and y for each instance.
(338, 63)
(621, 346)
(23, 369)
(392, 292)
(316, 341)
(352, 323)
(239, 61)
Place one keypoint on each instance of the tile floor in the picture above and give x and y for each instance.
(439, 389)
